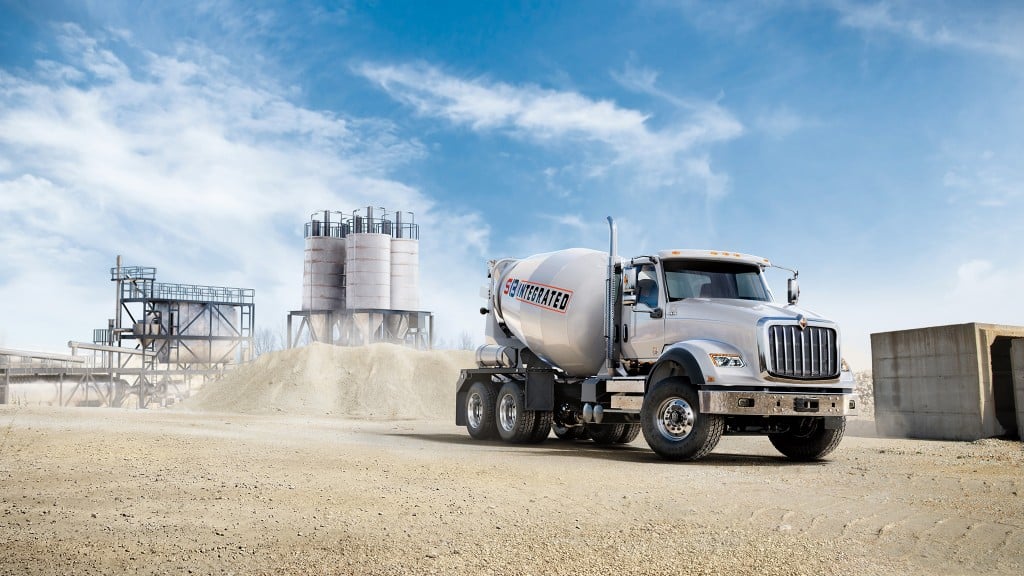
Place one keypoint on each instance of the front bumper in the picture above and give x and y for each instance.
(736, 403)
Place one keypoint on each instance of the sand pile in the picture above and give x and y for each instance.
(381, 381)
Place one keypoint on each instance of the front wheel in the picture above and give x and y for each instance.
(809, 440)
(673, 425)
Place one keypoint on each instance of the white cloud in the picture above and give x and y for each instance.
(735, 17)
(571, 221)
(990, 290)
(604, 135)
(985, 180)
(178, 162)
(985, 28)
(782, 122)
(487, 105)
(966, 27)
(638, 78)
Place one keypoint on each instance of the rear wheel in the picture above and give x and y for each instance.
(629, 433)
(673, 425)
(541, 427)
(515, 422)
(480, 417)
(605, 434)
(809, 440)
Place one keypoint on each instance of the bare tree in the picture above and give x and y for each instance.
(466, 341)
(265, 340)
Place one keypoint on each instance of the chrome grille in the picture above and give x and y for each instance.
(808, 354)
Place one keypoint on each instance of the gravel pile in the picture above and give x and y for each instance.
(380, 381)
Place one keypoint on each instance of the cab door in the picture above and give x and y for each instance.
(643, 330)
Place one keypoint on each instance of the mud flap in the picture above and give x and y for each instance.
(540, 390)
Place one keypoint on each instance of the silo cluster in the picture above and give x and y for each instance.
(361, 261)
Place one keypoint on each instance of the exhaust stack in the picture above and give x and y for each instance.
(611, 298)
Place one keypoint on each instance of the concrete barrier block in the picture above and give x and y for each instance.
(890, 423)
(926, 425)
(922, 394)
(881, 348)
(936, 382)
(1017, 363)
(882, 388)
(971, 426)
(884, 368)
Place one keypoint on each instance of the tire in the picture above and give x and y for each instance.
(673, 425)
(480, 417)
(605, 434)
(515, 422)
(809, 441)
(629, 433)
(541, 426)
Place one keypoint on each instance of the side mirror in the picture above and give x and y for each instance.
(657, 313)
(629, 286)
(793, 290)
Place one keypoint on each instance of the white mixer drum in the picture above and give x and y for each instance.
(554, 303)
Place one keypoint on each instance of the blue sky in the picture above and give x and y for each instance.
(876, 146)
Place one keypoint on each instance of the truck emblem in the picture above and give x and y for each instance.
(801, 321)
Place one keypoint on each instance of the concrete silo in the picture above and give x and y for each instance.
(361, 280)
(368, 263)
(324, 263)
(405, 265)
(405, 274)
(323, 271)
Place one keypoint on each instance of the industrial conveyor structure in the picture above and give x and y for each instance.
(164, 339)
(18, 366)
(181, 330)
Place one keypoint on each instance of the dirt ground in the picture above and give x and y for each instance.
(104, 491)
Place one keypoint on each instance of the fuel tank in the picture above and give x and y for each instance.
(554, 303)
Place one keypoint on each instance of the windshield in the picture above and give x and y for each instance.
(711, 279)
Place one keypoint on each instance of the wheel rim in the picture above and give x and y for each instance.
(475, 410)
(675, 419)
(507, 412)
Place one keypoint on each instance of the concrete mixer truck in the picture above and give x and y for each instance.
(682, 345)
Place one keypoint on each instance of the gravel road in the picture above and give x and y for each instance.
(101, 491)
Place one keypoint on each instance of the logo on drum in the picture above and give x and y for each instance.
(539, 295)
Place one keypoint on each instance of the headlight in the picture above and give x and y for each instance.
(727, 360)
(843, 365)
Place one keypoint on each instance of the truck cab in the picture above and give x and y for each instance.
(722, 301)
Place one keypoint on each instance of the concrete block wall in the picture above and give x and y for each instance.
(1017, 359)
(998, 410)
(936, 382)
(926, 383)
